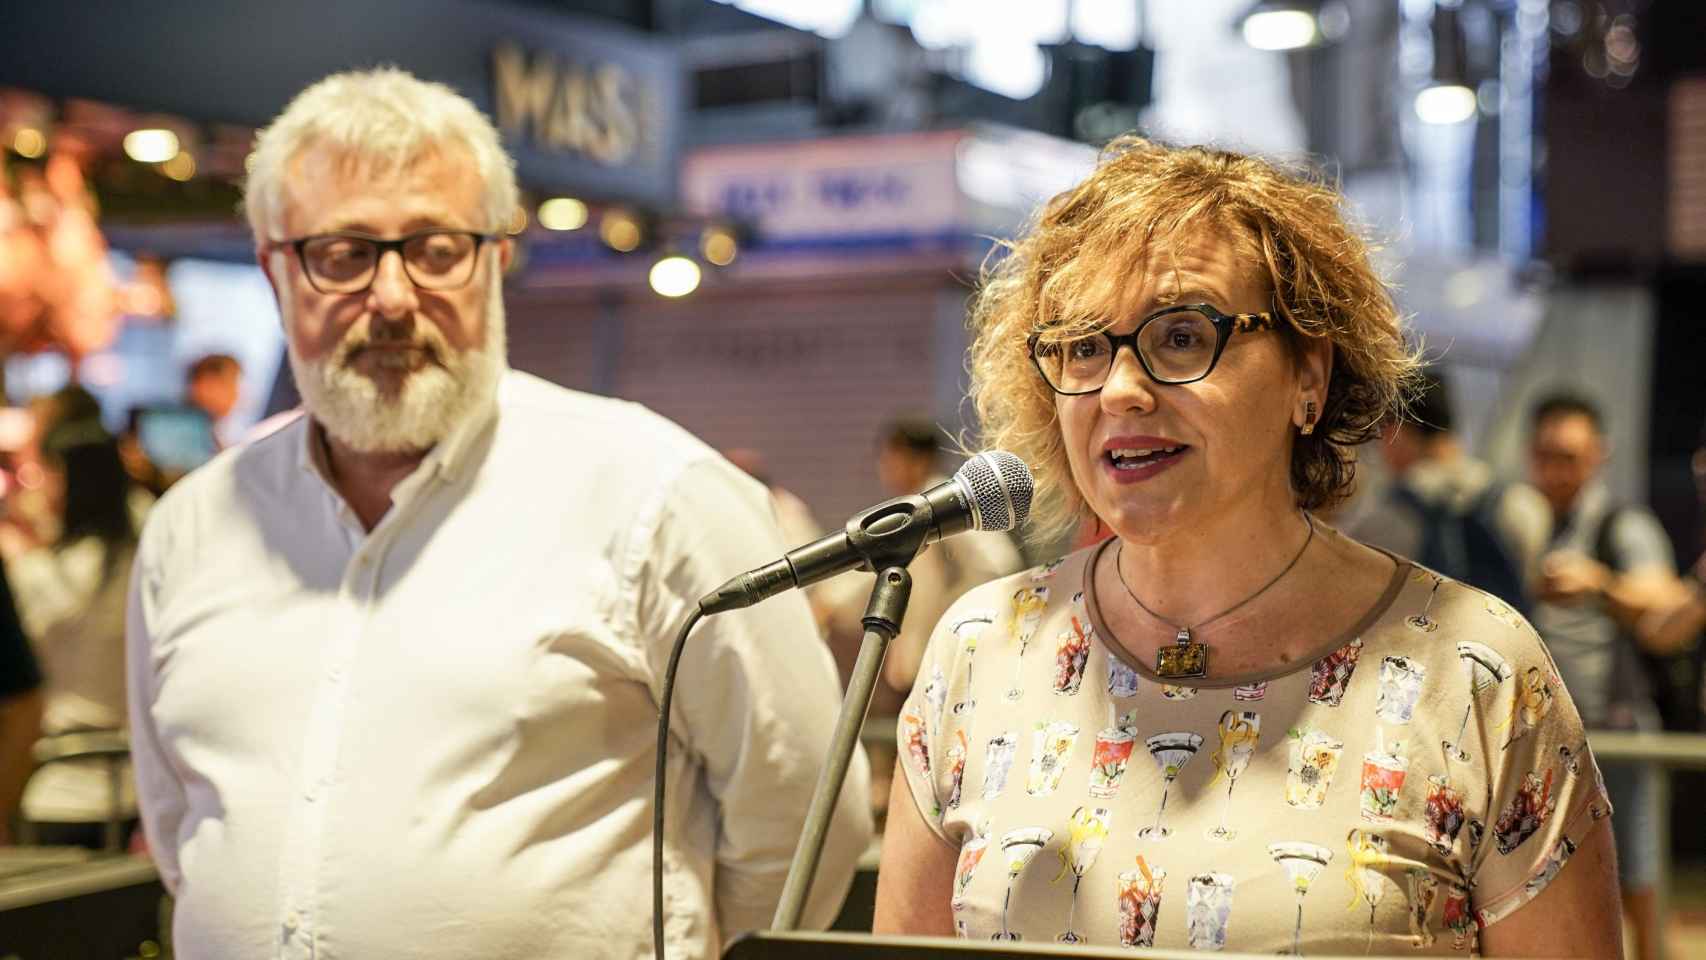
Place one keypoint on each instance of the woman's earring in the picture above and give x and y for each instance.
(1308, 418)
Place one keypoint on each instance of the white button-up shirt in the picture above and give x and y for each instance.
(437, 739)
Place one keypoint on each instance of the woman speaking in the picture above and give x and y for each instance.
(1228, 726)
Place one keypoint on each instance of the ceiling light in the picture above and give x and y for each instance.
(1445, 103)
(151, 146)
(675, 276)
(29, 142)
(562, 213)
(180, 168)
(719, 246)
(620, 231)
(1285, 29)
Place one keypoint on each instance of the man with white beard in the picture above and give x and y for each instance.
(394, 669)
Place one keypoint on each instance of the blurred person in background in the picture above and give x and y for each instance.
(212, 385)
(1607, 567)
(1190, 345)
(31, 519)
(395, 668)
(1447, 511)
(1675, 625)
(21, 703)
(71, 598)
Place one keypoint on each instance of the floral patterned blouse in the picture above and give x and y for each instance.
(1415, 780)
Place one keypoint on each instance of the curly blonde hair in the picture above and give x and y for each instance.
(1063, 274)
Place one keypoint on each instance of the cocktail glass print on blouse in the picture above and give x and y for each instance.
(1331, 675)
(1122, 680)
(1086, 831)
(1025, 613)
(1072, 650)
(1208, 911)
(1171, 751)
(1314, 763)
(1302, 862)
(1368, 856)
(1019, 847)
(1443, 816)
(1526, 812)
(1421, 623)
(1400, 689)
(1239, 731)
(1051, 747)
(1109, 759)
(971, 854)
(1424, 890)
(1561, 852)
(1533, 702)
(936, 694)
(915, 732)
(1250, 691)
(1384, 771)
(956, 768)
(1484, 668)
(1139, 893)
(967, 630)
(998, 763)
(1459, 917)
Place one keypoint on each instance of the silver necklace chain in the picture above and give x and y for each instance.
(1187, 632)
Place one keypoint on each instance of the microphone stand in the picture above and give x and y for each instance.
(882, 621)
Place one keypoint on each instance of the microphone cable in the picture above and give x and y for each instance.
(658, 787)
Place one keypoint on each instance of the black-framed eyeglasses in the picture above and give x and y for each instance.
(343, 263)
(1178, 344)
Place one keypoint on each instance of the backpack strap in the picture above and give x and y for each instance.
(1603, 548)
(1442, 545)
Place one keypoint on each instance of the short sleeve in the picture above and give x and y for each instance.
(1545, 790)
(1639, 542)
(931, 735)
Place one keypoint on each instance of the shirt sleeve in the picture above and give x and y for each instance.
(19, 673)
(1638, 542)
(932, 759)
(1544, 786)
(916, 740)
(756, 697)
(159, 791)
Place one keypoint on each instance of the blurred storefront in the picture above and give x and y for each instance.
(845, 307)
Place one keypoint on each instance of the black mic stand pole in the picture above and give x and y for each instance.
(882, 621)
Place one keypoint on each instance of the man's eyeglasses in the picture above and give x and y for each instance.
(343, 263)
(1179, 344)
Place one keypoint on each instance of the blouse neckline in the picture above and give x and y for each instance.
(1116, 650)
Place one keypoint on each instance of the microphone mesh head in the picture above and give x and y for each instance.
(1001, 487)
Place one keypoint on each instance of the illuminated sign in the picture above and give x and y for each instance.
(593, 109)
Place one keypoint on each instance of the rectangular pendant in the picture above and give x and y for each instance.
(1184, 660)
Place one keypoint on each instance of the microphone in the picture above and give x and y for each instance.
(991, 491)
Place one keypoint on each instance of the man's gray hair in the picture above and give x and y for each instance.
(385, 119)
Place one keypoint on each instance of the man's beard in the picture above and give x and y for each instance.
(433, 400)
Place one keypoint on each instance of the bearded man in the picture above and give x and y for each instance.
(394, 669)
